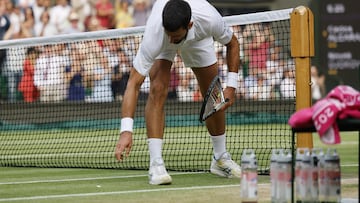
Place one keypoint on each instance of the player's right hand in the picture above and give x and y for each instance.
(123, 145)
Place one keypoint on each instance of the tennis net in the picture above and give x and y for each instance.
(75, 120)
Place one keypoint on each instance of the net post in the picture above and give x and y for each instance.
(302, 48)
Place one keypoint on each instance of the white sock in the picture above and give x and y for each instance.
(219, 145)
(155, 148)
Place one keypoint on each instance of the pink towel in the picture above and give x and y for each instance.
(349, 113)
(301, 118)
(347, 95)
(341, 102)
(325, 113)
(332, 135)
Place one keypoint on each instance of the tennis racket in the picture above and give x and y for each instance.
(213, 101)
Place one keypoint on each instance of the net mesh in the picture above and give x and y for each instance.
(63, 108)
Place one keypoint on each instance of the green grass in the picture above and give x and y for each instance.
(23, 184)
(184, 149)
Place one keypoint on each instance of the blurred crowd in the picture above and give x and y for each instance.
(97, 71)
(36, 18)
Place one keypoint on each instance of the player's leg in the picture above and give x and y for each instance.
(155, 120)
(222, 164)
(215, 123)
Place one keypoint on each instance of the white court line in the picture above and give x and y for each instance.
(85, 179)
(117, 192)
(264, 185)
(111, 177)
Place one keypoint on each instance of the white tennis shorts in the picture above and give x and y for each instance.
(194, 54)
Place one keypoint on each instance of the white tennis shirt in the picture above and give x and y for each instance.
(197, 50)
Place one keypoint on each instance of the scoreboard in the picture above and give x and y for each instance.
(339, 41)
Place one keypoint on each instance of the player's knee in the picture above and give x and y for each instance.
(158, 90)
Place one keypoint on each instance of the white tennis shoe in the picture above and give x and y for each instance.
(158, 174)
(225, 167)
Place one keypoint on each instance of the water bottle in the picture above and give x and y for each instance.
(274, 170)
(303, 175)
(249, 176)
(330, 177)
(317, 154)
(284, 192)
(298, 160)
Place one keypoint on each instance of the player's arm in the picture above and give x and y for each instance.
(127, 113)
(233, 63)
(223, 34)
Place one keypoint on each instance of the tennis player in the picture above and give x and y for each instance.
(190, 27)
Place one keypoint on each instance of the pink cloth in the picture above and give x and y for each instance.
(347, 95)
(325, 113)
(341, 102)
(301, 118)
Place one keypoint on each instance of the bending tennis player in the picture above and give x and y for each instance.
(190, 27)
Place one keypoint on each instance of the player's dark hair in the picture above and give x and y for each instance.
(176, 15)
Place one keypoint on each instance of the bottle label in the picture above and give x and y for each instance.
(284, 186)
(314, 184)
(273, 181)
(323, 192)
(249, 186)
(329, 185)
(304, 183)
(334, 183)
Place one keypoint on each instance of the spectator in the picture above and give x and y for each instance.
(249, 82)
(187, 89)
(92, 24)
(75, 75)
(49, 74)
(174, 77)
(45, 27)
(123, 17)
(83, 8)
(184, 90)
(100, 73)
(261, 90)
(4, 30)
(26, 25)
(101, 91)
(74, 26)
(275, 67)
(256, 45)
(142, 9)
(38, 8)
(5, 22)
(110, 49)
(47, 4)
(287, 85)
(27, 87)
(318, 90)
(15, 17)
(4, 35)
(120, 75)
(59, 15)
(25, 3)
(13, 69)
(105, 13)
